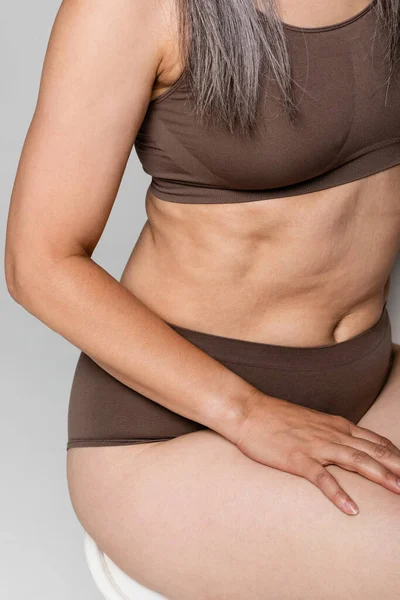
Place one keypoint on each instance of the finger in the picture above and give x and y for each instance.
(313, 471)
(362, 463)
(382, 454)
(367, 434)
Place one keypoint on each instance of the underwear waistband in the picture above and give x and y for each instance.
(305, 357)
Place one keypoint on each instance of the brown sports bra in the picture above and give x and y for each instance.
(348, 126)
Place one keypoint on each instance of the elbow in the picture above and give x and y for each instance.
(24, 276)
(12, 289)
(15, 277)
(29, 277)
(10, 274)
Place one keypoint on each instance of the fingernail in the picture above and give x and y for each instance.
(351, 507)
(398, 482)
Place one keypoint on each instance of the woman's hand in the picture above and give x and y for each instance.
(302, 441)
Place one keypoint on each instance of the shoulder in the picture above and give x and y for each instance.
(128, 35)
(138, 19)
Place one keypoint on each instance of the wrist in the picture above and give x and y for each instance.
(234, 411)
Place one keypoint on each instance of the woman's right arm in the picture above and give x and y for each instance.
(99, 70)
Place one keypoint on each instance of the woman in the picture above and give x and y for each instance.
(244, 363)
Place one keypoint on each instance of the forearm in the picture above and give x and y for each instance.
(79, 300)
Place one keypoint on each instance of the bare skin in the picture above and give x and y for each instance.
(248, 271)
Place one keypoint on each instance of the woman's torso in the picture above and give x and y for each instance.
(304, 270)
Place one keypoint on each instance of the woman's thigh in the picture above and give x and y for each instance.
(195, 518)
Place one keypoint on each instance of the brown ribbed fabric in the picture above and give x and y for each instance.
(344, 379)
(348, 126)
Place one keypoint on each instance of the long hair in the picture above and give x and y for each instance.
(228, 45)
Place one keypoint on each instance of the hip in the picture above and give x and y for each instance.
(343, 379)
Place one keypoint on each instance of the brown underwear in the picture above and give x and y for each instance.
(342, 379)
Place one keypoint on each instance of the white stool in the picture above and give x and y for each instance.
(113, 583)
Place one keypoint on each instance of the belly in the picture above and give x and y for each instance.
(300, 271)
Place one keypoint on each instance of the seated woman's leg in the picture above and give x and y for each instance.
(194, 518)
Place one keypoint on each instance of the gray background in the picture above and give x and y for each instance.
(41, 547)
